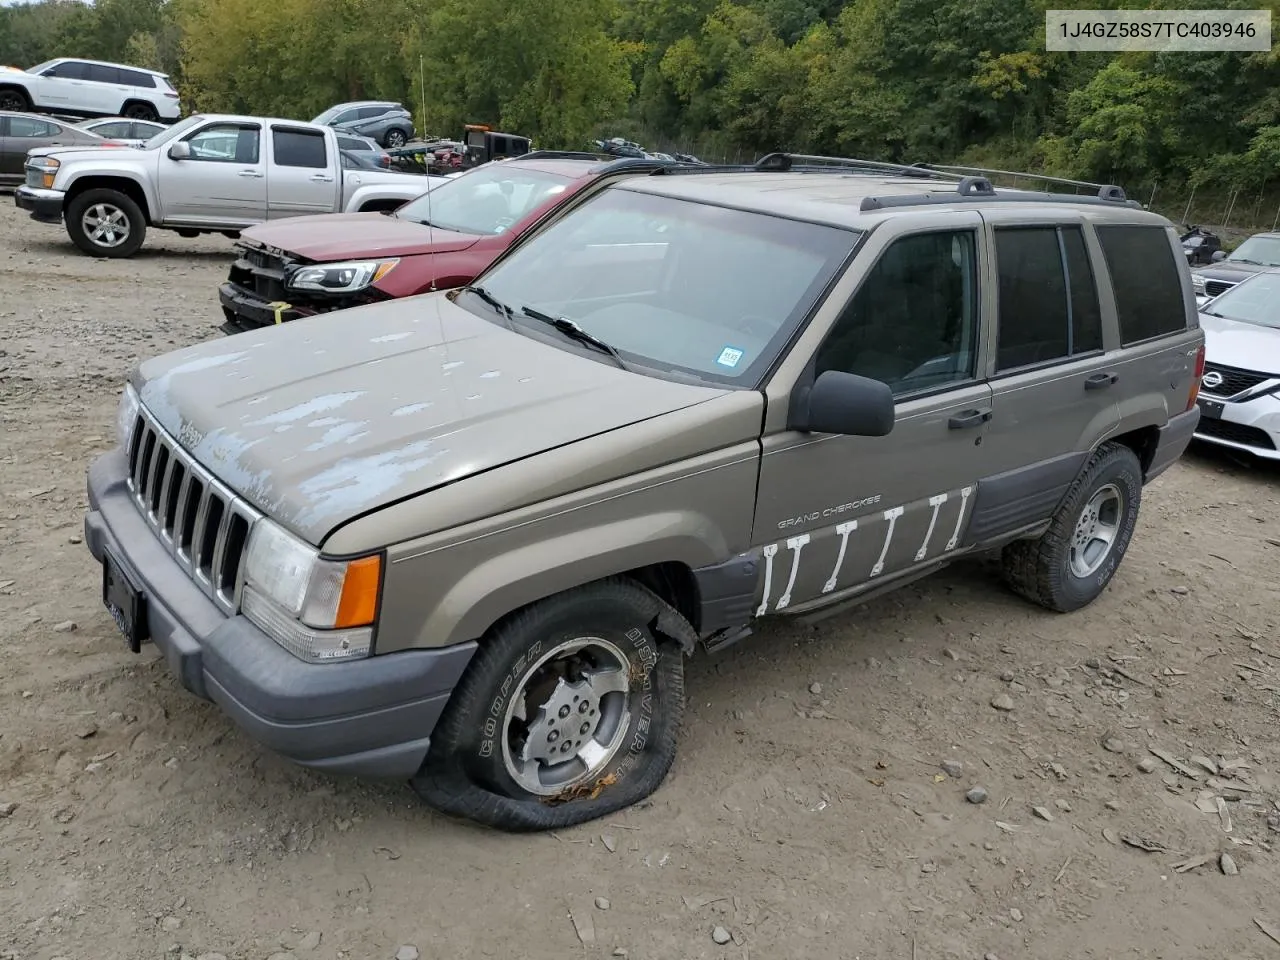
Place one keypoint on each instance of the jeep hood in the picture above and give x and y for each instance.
(345, 236)
(321, 420)
(1246, 346)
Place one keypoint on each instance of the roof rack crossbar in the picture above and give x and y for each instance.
(559, 155)
(992, 171)
(776, 161)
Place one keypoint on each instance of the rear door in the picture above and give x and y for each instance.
(223, 182)
(1052, 372)
(103, 91)
(301, 176)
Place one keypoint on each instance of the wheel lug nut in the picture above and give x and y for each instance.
(564, 711)
(553, 736)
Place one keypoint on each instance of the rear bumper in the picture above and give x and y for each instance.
(43, 205)
(369, 717)
(1175, 437)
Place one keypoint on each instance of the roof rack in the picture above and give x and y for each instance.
(558, 155)
(970, 182)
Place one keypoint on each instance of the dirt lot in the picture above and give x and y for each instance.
(807, 815)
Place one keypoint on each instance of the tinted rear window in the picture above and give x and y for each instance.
(297, 148)
(1145, 278)
(136, 78)
(100, 74)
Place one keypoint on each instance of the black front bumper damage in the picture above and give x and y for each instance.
(244, 310)
(371, 717)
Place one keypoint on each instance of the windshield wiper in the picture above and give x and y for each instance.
(502, 308)
(571, 329)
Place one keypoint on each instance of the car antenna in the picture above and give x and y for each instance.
(431, 238)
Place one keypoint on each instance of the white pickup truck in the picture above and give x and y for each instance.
(205, 174)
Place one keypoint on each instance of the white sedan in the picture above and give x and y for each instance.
(1240, 389)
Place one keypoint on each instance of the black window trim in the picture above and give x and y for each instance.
(240, 124)
(306, 132)
(1072, 357)
(975, 378)
(1124, 344)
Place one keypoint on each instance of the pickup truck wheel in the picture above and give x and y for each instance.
(14, 99)
(105, 223)
(568, 712)
(1074, 560)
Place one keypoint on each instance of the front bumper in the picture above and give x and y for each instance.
(1252, 425)
(370, 717)
(43, 205)
(244, 310)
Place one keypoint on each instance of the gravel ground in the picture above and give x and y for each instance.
(810, 813)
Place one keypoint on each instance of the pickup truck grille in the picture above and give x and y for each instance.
(1234, 380)
(204, 525)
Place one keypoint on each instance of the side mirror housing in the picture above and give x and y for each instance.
(180, 151)
(844, 403)
(1218, 255)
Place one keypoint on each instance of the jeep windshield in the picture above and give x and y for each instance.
(1256, 301)
(682, 289)
(1260, 251)
(487, 201)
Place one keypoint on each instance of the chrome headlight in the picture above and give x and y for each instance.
(126, 415)
(340, 277)
(1198, 283)
(319, 610)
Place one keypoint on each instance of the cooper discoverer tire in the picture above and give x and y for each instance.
(109, 215)
(568, 712)
(1074, 560)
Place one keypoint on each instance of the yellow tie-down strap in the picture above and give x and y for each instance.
(279, 306)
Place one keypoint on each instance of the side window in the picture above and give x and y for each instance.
(100, 74)
(368, 113)
(1048, 302)
(299, 148)
(225, 143)
(913, 323)
(71, 70)
(118, 128)
(1145, 278)
(136, 78)
(346, 116)
(30, 129)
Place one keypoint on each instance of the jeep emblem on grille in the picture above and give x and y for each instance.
(1211, 379)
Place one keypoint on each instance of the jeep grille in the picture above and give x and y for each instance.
(203, 524)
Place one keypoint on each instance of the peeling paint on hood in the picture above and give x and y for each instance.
(318, 421)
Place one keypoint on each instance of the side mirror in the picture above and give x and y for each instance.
(1218, 255)
(180, 151)
(844, 403)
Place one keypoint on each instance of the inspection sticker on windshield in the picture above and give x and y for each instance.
(729, 357)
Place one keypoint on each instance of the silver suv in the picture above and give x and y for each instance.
(386, 122)
(469, 538)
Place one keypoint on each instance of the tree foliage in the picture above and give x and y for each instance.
(941, 80)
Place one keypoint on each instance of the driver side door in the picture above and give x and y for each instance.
(836, 514)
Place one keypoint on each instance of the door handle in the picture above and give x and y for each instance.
(1100, 381)
(250, 173)
(322, 178)
(970, 418)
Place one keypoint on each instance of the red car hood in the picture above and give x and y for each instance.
(346, 236)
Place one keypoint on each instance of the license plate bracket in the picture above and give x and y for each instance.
(1211, 409)
(125, 602)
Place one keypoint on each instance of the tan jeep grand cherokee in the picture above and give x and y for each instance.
(469, 538)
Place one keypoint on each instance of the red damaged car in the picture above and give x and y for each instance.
(300, 266)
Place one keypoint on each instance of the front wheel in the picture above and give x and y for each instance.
(105, 223)
(569, 712)
(14, 100)
(1072, 563)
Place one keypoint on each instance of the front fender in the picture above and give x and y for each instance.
(72, 174)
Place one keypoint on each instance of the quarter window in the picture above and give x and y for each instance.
(1047, 297)
(30, 129)
(913, 323)
(1145, 278)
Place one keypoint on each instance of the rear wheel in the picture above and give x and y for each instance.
(11, 98)
(1072, 563)
(568, 712)
(395, 138)
(140, 111)
(105, 223)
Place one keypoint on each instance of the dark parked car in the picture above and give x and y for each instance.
(1200, 245)
(385, 121)
(1260, 252)
(21, 132)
